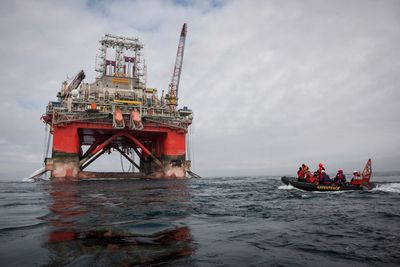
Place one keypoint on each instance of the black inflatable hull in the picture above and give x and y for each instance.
(314, 187)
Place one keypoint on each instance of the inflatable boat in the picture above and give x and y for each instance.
(357, 184)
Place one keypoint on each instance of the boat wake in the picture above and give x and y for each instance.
(286, 187)
(388, 187)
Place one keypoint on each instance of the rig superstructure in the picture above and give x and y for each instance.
(118, 112)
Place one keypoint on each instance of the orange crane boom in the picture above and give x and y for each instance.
(176, 75)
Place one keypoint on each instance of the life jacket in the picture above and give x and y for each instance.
(310, 178)
(356, 180)
(300, 174)
(341, 177)
(320, 169)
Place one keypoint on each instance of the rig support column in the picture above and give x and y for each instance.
(65, 153)
(174, 154)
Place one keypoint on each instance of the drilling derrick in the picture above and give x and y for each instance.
(118, 112)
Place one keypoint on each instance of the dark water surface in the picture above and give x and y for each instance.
(237, 221)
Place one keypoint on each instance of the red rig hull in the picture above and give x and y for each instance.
(161, 150)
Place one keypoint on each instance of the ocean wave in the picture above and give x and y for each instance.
(17, 204)
(20, 227)
(389, 187)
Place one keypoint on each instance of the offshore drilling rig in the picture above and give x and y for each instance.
(118, 112)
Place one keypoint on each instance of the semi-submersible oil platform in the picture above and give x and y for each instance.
(118, 112)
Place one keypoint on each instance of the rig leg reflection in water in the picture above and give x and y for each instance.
(111, 224)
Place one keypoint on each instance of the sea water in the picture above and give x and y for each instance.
(218, 221)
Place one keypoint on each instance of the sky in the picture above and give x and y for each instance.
(273, 84)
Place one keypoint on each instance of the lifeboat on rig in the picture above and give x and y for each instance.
(356, 184)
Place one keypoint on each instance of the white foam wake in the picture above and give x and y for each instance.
(390, 187)
(286, 187)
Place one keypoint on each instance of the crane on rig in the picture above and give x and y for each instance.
(67, 89)
(172, 96)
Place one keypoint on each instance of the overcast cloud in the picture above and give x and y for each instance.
(273, 84)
